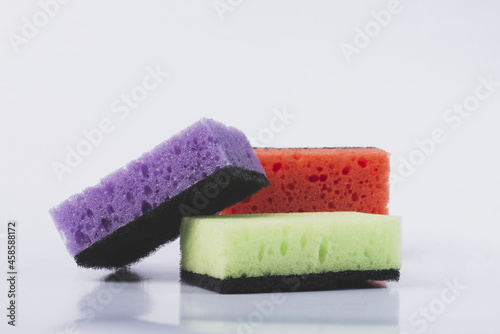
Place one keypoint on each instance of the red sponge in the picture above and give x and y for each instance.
(321, 179)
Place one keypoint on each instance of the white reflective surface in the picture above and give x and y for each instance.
(265, 55)
(440, 289)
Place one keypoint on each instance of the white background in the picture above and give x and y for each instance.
(239, 68)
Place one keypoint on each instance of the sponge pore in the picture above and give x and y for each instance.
(134, 210)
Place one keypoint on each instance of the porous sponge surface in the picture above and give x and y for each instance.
(321, 179)
(158, 175)
(289, 243)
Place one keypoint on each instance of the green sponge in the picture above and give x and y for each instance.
(261, 252)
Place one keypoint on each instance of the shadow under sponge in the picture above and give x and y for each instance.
(134, 210)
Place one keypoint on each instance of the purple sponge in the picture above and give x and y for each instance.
(131, 212)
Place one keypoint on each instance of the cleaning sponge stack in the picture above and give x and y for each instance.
(322, 221)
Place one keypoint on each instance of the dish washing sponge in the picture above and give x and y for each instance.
(131, 212)
(321, 179)
(289, 251)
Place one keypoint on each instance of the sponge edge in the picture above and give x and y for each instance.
(201, 170)
(138, 238)
(289, 283)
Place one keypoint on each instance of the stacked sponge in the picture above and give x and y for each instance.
(321, 223)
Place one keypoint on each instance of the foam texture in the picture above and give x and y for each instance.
(321, 179)
(257, 245)
(132, 211)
